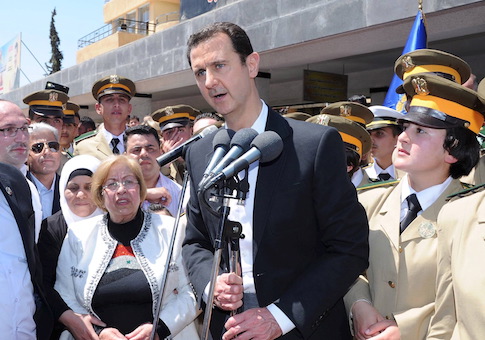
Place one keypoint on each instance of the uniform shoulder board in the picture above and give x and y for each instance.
(379, 184)
(84, 136)
(469, 190)
(367, 166)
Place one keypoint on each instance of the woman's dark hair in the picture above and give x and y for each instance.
(463, 145)
(239, 38)
(353, 160)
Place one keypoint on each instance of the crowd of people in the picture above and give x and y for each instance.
(365, 225)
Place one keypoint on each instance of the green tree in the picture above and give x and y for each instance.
(55, 62)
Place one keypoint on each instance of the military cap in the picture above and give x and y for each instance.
(113, 84)
(383, 116)
(69, 112)
(440, 63)
(297, 115)
(354, 111)
(54, 86)
(175, 116)
(46, 103)
(355, 137)
(440, 104)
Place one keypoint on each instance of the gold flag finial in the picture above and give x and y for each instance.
(420, 5)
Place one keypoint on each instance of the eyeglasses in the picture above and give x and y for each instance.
(12, 131)
(39, 147)
(127, 184)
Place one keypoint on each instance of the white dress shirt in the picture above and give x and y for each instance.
(374, 170)
(109, 136)
(174, 190)
(17, 305)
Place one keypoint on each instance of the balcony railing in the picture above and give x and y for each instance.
(167, 17)
(119, 25)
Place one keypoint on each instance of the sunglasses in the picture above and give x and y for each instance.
(39, 147)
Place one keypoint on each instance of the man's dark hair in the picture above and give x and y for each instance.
(141, 130)
(359, 98)
(462, 144)
(88, 122)
(353, 160)
(239, 38)
(134, 117)
(208, 115)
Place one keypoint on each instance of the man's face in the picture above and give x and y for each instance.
(133, 122)
(383, 142)
(68, 133)
(145, 149)
(13, 150)
(51, 120)
(224, 82)
(115, 108)
(47, 161)
(177, 134)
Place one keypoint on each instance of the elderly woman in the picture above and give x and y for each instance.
(76, 204)
(111, 266)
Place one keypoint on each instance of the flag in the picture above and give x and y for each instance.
(417, 39)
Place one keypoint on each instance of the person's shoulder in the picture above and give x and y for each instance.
(468, 192)
(377, 185)
(85, 136)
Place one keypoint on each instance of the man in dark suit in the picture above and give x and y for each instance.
(16, 202)
(305, 233)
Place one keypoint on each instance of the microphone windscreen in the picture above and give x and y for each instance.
(222, 138)
(208, 130)
(270, 144)
(243, 138)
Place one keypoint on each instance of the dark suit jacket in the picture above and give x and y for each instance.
(56, 206)
(310, 234)
(20, 201)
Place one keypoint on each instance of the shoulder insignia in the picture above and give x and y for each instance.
(84, 136)
(367, 166)
(469, 190)
(372, 185)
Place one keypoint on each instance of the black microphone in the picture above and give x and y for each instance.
(180, 150)
(220, 144)
(265, 148)
(240, 143)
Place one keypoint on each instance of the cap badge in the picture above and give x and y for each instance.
(420, 86)
(407, 63)
(9, 191)
(427, 230)
(345, 110)
(53, 96)
(114, 79)
(322, 120)
(169, 111)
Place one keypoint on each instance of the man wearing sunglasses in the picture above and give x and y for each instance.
(24, 309)
(43, 161)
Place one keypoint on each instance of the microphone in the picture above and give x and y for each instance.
(240, 143)
(265, 148)
(220, 143)
(180, 150)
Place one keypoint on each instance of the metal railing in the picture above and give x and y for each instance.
(119, 25)
(167, 17)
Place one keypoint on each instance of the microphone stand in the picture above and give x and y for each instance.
(169, 255)
(228, 232)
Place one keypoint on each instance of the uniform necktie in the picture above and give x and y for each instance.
(414, 208)
(384, 176)
(114, 143)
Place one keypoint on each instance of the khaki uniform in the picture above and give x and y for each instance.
(477, 175)
(461, 278)
(94, 144)
(402, 268)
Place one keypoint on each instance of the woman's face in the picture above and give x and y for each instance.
(121, 193)
(78, 196)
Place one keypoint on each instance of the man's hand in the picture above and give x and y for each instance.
(255, 323)
(387, 329)
(159, 195)
(80, 325)
(172, 140)
(364, 315)
(142, 333)
(228, 292)
(111, 334)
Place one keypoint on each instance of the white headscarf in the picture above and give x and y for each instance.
(79, 162)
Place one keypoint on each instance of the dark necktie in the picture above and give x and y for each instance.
(114, 144)
(384, 176)
(414, 208)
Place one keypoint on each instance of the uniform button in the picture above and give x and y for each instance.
(400, 249)
(387, 317)
(392, 284)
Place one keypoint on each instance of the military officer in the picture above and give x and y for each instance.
(69, 130)
(46, 106)
(176, 126)
(113, 94)
(356, 140)
(438, 145)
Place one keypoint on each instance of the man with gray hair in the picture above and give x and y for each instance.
(44, 160)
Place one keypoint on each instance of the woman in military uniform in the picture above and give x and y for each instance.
(438, 146)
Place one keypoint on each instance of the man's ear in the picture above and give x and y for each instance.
(252, 62)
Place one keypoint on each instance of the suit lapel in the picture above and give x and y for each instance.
(102, 144)
(268, 178)
(56, 203)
